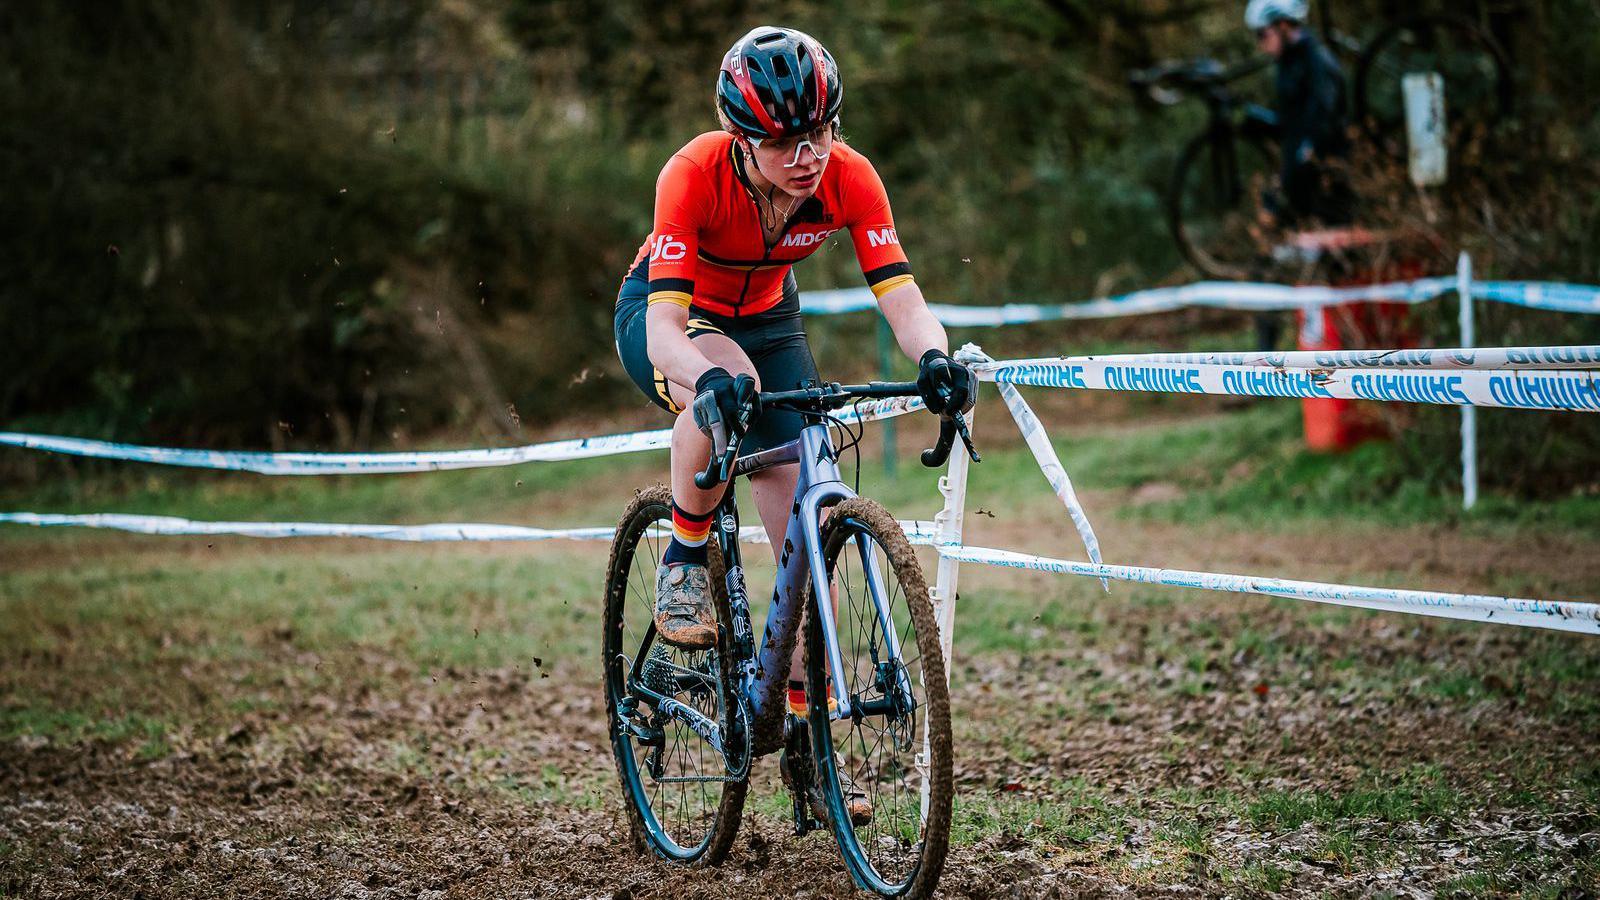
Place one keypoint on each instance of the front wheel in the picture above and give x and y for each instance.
(681, 801)
(894, 748)
(1218, 192)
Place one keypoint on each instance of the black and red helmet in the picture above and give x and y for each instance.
(776, 82)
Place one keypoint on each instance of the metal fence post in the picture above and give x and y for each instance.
(947, 532)
(886, 372)
(1469, 414)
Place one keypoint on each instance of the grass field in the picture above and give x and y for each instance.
(197, 716)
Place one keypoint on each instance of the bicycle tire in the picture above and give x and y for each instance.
(920, 876)
(1380, 118)
(647, 830)
(1223, 248)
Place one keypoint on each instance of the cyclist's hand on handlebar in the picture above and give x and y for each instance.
(724, 405)
(946, 386)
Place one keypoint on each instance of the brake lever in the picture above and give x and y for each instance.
(966, 436)
(717, 469)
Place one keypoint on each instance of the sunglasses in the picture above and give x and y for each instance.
(820, 141)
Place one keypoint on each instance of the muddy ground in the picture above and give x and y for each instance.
(1151, 743)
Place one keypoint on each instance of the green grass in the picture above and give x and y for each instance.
(1247, 466)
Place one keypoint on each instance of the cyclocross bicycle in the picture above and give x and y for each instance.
(686, 725)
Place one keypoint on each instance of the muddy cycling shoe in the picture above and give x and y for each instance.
(855, 800)
(684, 614)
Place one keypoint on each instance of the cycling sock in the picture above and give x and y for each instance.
(689, 532)
(797, 697)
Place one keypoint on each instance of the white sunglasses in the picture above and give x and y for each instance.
(822, 136)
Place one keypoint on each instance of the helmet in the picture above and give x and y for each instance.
(776, 82)
(1261, 13)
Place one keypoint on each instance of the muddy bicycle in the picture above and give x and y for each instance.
(685, 726)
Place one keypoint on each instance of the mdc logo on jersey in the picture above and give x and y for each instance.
(879, 237)
(806, 238)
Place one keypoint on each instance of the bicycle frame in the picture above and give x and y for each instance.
(818, 485)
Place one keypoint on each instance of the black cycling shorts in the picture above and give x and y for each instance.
(773, 339)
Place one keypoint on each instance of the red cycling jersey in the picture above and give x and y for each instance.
(707, 248)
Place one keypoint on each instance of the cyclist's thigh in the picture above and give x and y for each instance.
(783, 360)
(629, 326)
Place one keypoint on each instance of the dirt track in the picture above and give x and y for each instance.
(1136, 746)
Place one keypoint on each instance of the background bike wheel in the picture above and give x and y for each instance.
(1217, 191)
(896, 854)
(692, 822)
(1478, 91)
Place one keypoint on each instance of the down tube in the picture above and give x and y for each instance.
(819, 485)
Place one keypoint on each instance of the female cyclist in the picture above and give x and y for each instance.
(710, 296)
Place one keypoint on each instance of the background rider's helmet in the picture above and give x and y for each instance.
(776, 82)
(1261, 13)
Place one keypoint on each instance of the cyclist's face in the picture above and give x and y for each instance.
(794, 163)
(1270, 39)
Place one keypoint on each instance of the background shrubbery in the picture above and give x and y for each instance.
(348, 224)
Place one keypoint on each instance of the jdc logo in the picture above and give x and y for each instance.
(668, 249)
(806, 239)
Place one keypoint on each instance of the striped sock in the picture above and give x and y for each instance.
(689, 533)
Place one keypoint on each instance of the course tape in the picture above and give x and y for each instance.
(1488, 358)
(918, 532)
(1553, 296)
(1557, 614)
(1576, 391)
(1547, 295)
(265, 463)
(1044, 453)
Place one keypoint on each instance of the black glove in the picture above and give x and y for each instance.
(946, 385)
(723, 404)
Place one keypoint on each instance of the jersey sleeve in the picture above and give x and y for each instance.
(871, 224)
(683, 201)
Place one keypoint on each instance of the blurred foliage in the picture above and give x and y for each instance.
(350, 224)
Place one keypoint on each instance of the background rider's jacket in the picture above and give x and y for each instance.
(1311, 119)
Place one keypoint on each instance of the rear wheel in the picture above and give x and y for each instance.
(1477, 79)
(675, 787)
(897, 703)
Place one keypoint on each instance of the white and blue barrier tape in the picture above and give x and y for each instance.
(1573, 391)
(266, 463)
(918, 532)
(1561, 615)
(1546, 295)
(1487, 358)
(1551, 296)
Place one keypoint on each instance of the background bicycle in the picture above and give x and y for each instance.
(1223, 175)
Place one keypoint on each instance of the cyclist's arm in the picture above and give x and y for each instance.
(683, 200)
(671, 351)
(885, 267)
(915, 328)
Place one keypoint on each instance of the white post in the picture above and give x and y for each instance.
(1425, 127)
(1469, 414)
(947, 532)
